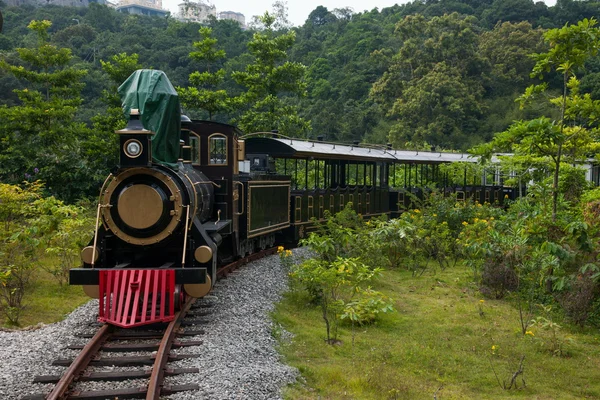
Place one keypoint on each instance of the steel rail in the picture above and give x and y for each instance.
(81, 362)
(162, 355)
(223, 271)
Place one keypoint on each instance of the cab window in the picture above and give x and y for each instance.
(195, 148)
(217, 149)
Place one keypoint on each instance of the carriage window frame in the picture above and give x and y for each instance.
(212, 137)
(197, 147)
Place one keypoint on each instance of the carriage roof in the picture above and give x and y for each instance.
(299, 148)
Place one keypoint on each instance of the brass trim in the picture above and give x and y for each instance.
(134, 132)
(272, 228)
(401, 200)
(262, 183)
(322, 220)
(203, 254)
(341, 205)
(175, 195)
(90, 253)
(130, 141)
(460, 195)
(321, 204)
(185, 235)
(311, 203)
(198, 290)
(487, 196)
(92, 291)
(195, 196)
(241, 198)
(298, 209)
(226, 151)
(139, 206)
(351, 200)
(368, 202)
(331, 203)
(253, 232)
(359, 206)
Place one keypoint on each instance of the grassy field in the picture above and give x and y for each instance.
(440, 341)
(47, 302)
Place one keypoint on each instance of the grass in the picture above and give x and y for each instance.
(436, 342)
(47, 302)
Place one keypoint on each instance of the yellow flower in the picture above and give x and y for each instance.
(465, 223)
(279, 249)
(482, 301)
(435, 215)
(288, 253)
(491, 218)
(494, 347)
(506, 196)
(529, 333)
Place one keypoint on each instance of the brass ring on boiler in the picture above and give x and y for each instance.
(175, 195)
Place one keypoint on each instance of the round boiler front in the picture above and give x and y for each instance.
(144, 205)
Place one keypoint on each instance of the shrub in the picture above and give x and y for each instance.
(19, 240)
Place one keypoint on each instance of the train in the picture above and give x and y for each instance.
(190, 196)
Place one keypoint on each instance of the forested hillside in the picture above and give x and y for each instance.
(429, 73)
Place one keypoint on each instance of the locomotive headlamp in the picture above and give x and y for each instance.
(136, 144)
(133, 148)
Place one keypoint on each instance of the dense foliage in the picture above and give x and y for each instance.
(426, 73)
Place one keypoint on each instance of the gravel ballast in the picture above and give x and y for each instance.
(237, 359)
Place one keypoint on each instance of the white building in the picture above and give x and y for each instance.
(142, 7)
(193, 11)
(236, 16)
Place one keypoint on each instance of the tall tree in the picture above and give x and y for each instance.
(573, 133)
(203, 95)
(40, 138)
(432, 86)
(102, 141)
(268, 79)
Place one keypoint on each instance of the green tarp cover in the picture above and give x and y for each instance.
(151, 92)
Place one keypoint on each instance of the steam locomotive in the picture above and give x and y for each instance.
(190, 196)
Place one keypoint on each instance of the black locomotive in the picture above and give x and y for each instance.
(164, 227)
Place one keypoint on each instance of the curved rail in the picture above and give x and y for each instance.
(223, 271)
(81, 362)
(162, 355)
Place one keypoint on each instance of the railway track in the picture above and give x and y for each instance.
(110, 340)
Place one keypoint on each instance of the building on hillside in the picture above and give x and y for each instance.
(64, 3)
(151, 8)
(196, 11)
(236, 16)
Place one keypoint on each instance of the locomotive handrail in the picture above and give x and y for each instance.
(208, 182)
(100, 206)
(185, 235)
(241, 198)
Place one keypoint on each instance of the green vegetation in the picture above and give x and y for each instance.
(46, 300)
(441, 339)
(39, 234)
(202, 95)
(266, 78)
(516, 317)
